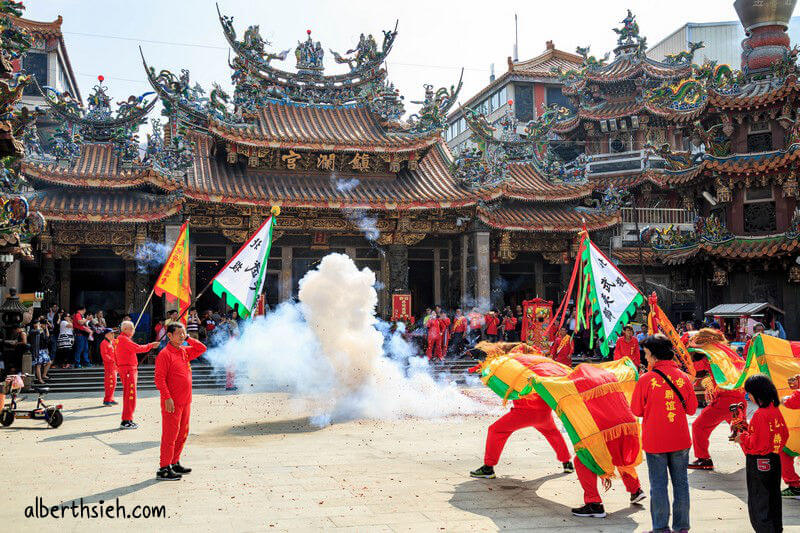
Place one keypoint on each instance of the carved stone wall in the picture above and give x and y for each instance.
(397, 257)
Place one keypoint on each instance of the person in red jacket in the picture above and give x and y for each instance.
(509, 325)
(764, 437)
(444, 326)
(788, 473)
(128, 366)
(562, 347)
(109, 366)
(628, 346)
(491, 322)
(663, 398)
(459, 332)
(718, 400)
(530, 411)
(173, 377)
(434, 338)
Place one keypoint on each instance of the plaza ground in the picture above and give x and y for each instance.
(259, 465)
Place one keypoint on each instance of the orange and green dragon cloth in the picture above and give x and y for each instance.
(592, 400)
(777, 358)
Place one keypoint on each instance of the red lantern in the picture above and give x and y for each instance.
(100, 78)
(510, 103)
(308, 32)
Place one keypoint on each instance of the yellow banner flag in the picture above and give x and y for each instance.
(175, 279)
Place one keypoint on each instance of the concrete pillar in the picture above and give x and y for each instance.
(437, 277)
(48, 282)
(384, 301)
(498, 290)
(482, 274)
(285, 285)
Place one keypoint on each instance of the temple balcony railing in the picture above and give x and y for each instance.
(623, 163)
(654, 217)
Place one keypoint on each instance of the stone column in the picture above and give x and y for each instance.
(285, 285)
(498, 291)
(47, 281)
(397, 258)
(466, 293)
(64, 266)
(538, 275)
(384, 301)
(437, 277)
(482, 274)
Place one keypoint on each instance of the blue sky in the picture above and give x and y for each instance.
(436, 38)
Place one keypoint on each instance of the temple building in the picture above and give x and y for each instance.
(334, 151)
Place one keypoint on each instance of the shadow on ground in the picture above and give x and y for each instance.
(110, 495)
(513, 503)
(277, 427)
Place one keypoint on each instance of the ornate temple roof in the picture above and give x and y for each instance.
(735, 248)
(322, 127)
(104, 206)
(526, 182)
(533, 218)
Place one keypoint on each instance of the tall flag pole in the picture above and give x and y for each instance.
(605, 299)
(174, 281)
(241, 280)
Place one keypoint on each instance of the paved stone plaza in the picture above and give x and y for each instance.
(259, 465)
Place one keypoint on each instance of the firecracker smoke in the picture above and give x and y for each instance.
(332, 350)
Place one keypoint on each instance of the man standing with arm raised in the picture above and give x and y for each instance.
(128, 367)
(173, 377)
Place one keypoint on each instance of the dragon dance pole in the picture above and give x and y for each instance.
(144, 307)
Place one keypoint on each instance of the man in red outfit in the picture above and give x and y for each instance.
(628, 346)
(562, 347)
(459, 331)
(173, 377)
(530, 411)
(109, 366)
(434, 338)
(491, 322)
(719, 401)
(128, 365)
(444, 326)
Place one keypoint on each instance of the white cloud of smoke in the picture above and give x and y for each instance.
(150, 256)
(332, 350)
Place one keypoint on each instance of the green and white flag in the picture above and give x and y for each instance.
(242, 278)
(613, 297)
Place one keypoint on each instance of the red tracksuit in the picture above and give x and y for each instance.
(444, 325)
(564, 355)
(128, 365)
(109, 369)
(509, 323)
(712, 415)
(527, 412)
(625, 348)
(588, 481)
(788, 472)
(173, 377)
(491, 322)
(434, 338)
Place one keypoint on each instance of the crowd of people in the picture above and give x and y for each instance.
(61, 339)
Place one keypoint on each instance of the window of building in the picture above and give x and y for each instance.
(36, 64)
(759, 211)
(523, 101)
(555, 96)
(759, 138)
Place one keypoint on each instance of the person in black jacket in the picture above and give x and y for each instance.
(39, 342)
